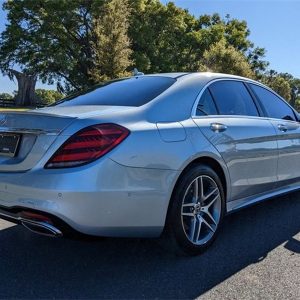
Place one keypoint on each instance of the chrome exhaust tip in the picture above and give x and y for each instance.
(42, 228)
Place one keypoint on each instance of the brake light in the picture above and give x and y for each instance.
(87, 145)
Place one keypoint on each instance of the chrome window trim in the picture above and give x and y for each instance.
(249, 81)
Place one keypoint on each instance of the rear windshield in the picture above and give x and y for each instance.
(135, 91)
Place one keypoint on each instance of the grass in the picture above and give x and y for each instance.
(13, 109)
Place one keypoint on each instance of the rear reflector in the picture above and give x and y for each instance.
(87, 145)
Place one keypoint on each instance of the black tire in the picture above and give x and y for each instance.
(175, 236)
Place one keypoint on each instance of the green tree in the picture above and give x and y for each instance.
(166, 38)
(163, 37)
(282, 87)
(285, 85)
(257, 62)
(224, 58)
(77, 43)
(6, 96)
(46, 97)
(111, 45)
(295, 92)
(295, 87)
(55, 40)
(278, 83)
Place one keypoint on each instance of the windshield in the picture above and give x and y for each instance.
(134, 91)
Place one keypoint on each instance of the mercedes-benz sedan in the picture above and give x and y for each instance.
(146, 155)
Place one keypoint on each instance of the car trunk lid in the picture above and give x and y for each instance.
(26, 136)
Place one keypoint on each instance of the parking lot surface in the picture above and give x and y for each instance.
(257, 256)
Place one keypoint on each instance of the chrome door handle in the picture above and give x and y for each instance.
(282, 128)
(218, 127)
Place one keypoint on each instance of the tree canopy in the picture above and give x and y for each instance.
(224, 58)
(47, 97)
(166, 38)
(81, 42)
(278, 84)
(74, 43)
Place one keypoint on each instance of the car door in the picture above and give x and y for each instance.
(229, 118)
(287, 127)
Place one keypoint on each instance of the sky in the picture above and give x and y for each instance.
(274, 25)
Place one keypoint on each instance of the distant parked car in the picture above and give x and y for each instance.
(144, 155)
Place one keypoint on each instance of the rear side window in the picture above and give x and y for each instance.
(206, 105)
(135, 91)
(274, 106)
(233, 98)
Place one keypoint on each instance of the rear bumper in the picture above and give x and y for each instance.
(102, 199)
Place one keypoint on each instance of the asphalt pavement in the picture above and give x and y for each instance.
(256, 256)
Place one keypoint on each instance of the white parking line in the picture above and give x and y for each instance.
(5, 224)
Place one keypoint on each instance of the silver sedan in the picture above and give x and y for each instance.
(150, 155)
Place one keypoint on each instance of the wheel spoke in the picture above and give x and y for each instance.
(196, 190)
(192, 229)
(201, 188)
(211, 202)
(208, 225)
(199, 228)
(210, 216)
(210, 193)
(187, 214)
(188, 204)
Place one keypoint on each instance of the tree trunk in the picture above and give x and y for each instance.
(26, 89)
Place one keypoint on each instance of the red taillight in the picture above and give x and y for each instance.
(88, 145)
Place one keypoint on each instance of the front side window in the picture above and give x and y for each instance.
(206, 105)
(274, 106)
(233, 98)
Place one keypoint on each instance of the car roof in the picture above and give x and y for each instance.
(174, 75)
(182, 95)
(207, 76)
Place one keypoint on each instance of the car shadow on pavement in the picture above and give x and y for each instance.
(33, 266)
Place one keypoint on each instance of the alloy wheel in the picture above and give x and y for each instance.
(201, 210)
